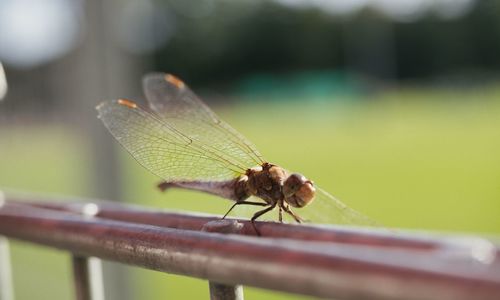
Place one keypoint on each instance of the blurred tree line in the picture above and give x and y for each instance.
(240, 37)
(255, 48)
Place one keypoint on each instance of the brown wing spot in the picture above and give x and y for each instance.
(174, 80)
(127, 103)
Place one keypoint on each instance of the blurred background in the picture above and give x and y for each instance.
(392, 105)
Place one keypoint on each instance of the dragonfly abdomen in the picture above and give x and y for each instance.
(235, 189)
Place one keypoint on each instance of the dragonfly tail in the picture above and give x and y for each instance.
(164, 185)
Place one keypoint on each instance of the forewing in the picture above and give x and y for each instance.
(176, 104)
(161, 148)
(326, 209)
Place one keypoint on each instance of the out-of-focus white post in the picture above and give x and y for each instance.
(6, 288)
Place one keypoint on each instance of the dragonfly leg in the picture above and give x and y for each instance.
(296, 217)
(244, 202)
(260, 213)
(280, 214)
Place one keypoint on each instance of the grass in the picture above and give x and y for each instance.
(432, 163)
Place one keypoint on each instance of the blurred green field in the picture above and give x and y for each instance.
(419, 159)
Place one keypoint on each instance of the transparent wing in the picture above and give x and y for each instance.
(162, 148)
(326, 209)
(178, 106)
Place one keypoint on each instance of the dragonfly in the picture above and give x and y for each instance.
(181, 140)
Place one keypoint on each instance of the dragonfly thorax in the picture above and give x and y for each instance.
(274, 184)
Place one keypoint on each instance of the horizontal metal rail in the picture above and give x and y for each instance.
(195, 221)
(318, 261)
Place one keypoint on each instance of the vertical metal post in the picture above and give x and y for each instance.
(6, 284)
(81, 278)
(87, 276)
(99, 70)
(6, 288)
(220, 291)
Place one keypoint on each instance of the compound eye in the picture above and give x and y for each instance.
(292, 184)
(306, 193)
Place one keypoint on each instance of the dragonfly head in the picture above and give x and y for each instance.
(298, 190)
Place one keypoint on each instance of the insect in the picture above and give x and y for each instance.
(181, 140)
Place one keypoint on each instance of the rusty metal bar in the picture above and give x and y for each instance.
(6, 284)
(373, 237)
(190, 221)
(87, 275)
(329, 270)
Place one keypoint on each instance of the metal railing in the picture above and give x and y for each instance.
(321, 261)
